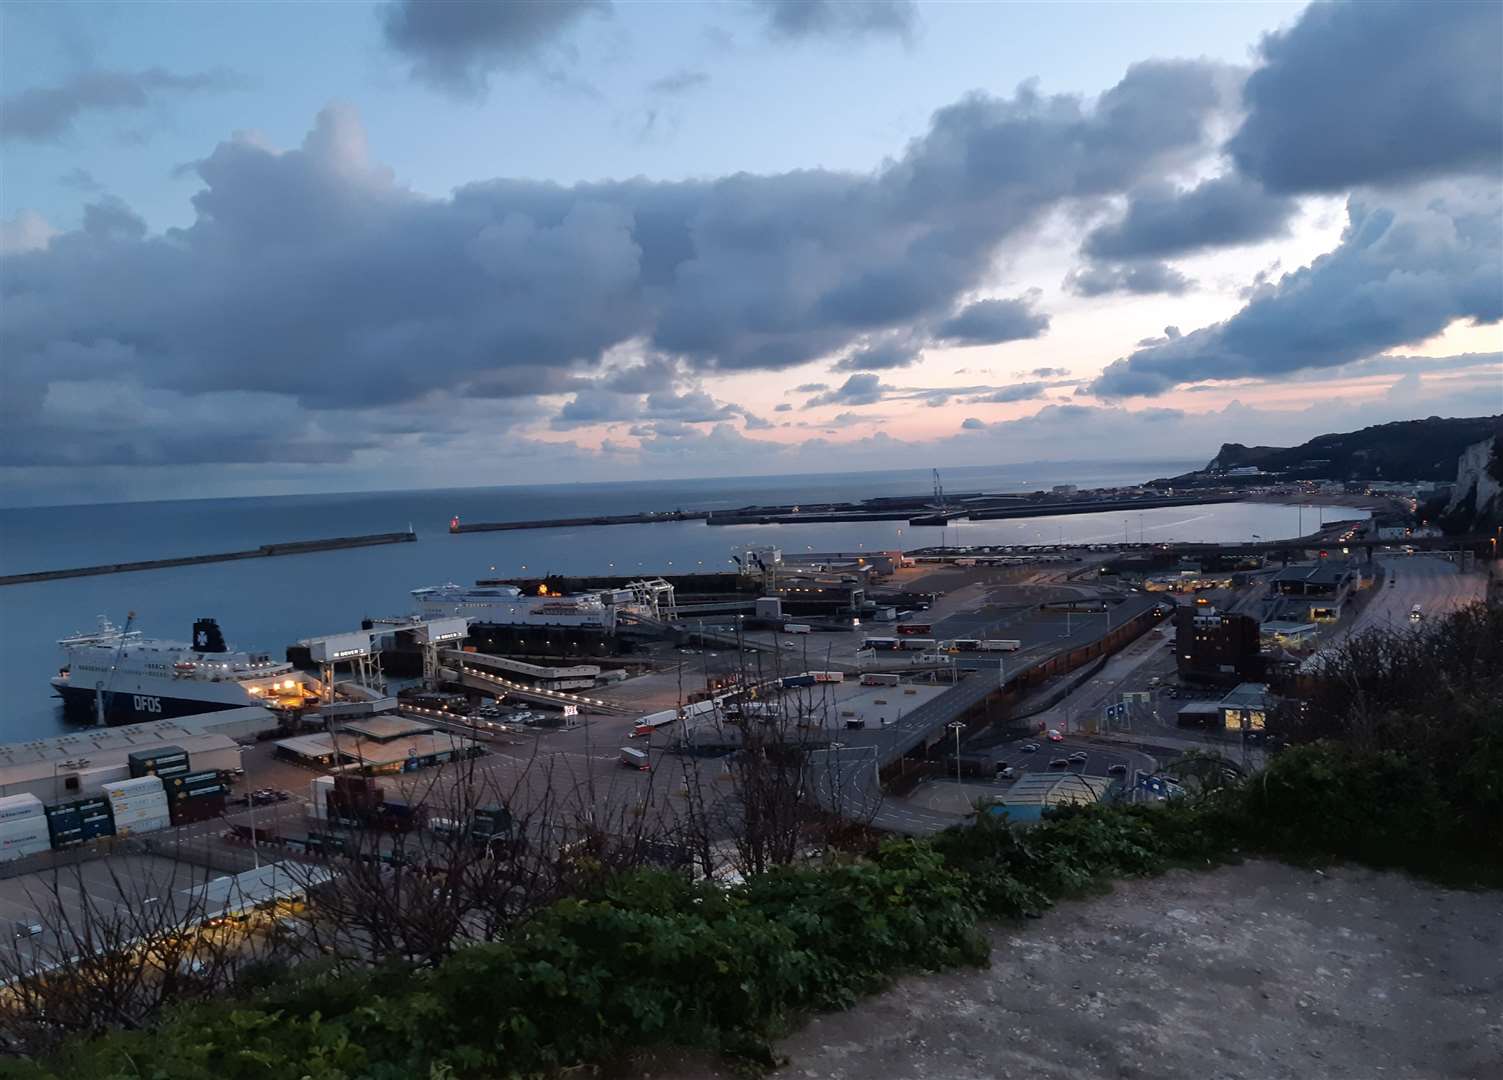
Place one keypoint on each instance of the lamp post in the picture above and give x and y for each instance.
(957, 727)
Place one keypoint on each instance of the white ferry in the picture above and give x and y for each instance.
(116, 676)
(507, 605)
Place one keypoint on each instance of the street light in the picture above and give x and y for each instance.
(957, 727)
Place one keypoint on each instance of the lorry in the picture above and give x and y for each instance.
(633, 758)
(797, 628)
(1001, 645)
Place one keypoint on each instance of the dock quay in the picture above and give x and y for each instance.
(265, 551)
(651, 516)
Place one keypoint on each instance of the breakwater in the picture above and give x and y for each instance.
(456, 526)
(265, 551)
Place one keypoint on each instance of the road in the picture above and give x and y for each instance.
(1427, 580)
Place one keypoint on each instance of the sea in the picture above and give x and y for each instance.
(266, 604)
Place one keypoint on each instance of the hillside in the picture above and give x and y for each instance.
(1405, 450)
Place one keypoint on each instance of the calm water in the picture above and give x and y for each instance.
(268, 603)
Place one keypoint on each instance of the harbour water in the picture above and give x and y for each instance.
(267, 603)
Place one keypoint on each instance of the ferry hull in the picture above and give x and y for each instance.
(126, 707)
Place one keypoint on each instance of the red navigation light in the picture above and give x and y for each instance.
(454, 523)
(1323, 554)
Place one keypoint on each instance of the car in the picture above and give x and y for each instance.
(1055, 736)
(1008, 773)
(1079, 755)
(1118, 769)
(1060, 763)
(1029, 748)
(790, 644)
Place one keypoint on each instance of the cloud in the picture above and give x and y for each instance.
(862, 389)
(783, 406)
(838, 18)
(1401, 274)
(1162, 221)
(882, 355)
(1375, 93)
(677, 83)
(456, 47)
(313, 274)
(1140, 279)
(970, 423)
(1049, 372)
(80, 180)
(27, 231)
(1027, 391)
(1170, 333)
(992, 322)
(44, 114)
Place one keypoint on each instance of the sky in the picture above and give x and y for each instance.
(257, 248)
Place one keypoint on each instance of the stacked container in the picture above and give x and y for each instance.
(23, 827)
(80, 821)
(163, 761)
(195, 797)
(354, 798)
(138, 805)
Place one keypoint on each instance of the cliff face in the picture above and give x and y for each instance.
(1478, 489)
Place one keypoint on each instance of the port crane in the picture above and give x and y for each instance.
(939, 494)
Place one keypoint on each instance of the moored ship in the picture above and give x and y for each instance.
(116, 676)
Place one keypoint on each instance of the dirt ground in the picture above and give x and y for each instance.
(1255, 972)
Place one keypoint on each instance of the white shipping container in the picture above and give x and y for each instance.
(145, 826)
(7, 854)
(145, 799)
(13, 807)
(9, 842)
(18, 826)
(153, 806)
(141, 785)
(143, 812)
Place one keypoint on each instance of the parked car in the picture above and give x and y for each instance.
(1060, 763)
(1079, 756)
(1029, 748)
(1118, 769)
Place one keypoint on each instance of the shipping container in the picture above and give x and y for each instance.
(140, 785)
(17, 807)
(915, 629)
(828, 676)
(797, 628)
(145, 825)
(882, 644)
(1001, 645)
(634, 759)
(915, 644)
(157, 760)
(876, 679)
(191, 779)
(798, 681)
(191, 811)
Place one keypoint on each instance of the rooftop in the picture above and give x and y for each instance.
(1248, 695)
(1055, 789)
(382, 728)
(1315, 573)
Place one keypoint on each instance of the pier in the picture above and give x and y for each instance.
(265, 551)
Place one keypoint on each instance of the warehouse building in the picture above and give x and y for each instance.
(377, 746)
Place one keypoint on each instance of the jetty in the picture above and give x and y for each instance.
(265, 551)
(456, 526)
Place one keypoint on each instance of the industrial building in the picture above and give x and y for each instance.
(82, 762)
(1314, 592)
(1243, 708)
(377, 745)
(1217, 647)
(1033, 793)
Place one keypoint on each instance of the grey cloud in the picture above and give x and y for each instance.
(643, 378)
(970, 423)
(881, 355)
(1400, 274)
(1170, 333)
(524, 381)
(1049, 372)
(861, 389)
(595, 406)
(313, 274)
(1375, 93)
(1027, 391)
(1142, 278)
(27, 231)
(838, 18)
(991, 322)
(679, 82)
(1162, 221)
(80, 180)
(810, 387)
(456, 47)
(783, 406)
(43, 114)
